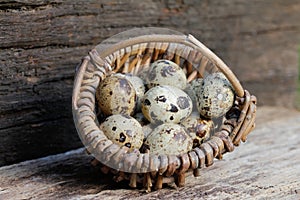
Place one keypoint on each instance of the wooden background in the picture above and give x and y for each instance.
(41, 42)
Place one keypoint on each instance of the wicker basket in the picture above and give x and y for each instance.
(131, 52)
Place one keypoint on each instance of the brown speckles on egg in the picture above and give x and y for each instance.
(138, 85)
(168, 130)
(173, 108)
(216, 96)
(122, 137)
(124, 130)
(197, 128)
(161, 104)
(161, 98)
(169, 139)
(200, 131)
(125, 85)
(165, 72)
(183, 102)
(128, 144)
(116, 95)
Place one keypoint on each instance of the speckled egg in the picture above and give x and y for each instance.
(165, 72)
(192, 89)
(138, 85)
(123, 130)
(116, 95)
(216, 96)
(169, 139)
(197, 128)
(166, 103)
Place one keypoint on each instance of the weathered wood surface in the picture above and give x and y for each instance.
(42, 41)
(267, 166)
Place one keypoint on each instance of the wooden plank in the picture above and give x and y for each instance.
(267, 166)
(41, 42)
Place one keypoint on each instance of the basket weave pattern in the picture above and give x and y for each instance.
(132, 56)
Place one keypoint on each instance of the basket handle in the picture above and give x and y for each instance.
(220, 64)
(78, 80)
(184, 39)
(213, 57)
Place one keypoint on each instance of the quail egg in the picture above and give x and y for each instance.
(138, 85)
(166, 103)
(166, 72)
(216, 96)
(192, 89)
(123, 130)
(197, 128)
(116, 95)
(169, 139)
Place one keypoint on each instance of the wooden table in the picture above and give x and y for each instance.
(267, 166)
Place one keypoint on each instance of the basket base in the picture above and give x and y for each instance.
(149, 180)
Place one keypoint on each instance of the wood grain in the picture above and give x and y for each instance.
(43, 41)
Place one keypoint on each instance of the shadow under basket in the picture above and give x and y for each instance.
(132, 52)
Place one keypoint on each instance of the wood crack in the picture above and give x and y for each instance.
(46, 45)
(271, 30)
(34, 123)
(10, 6)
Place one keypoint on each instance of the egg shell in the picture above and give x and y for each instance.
(165, 72)
(169, 139)
(199, 129)
(138, 85)
(216, 96)
(123, 130)
(116, 95)
(192, 89)
(166, 103)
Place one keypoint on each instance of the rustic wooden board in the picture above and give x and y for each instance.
(267, 166)
(41, 42)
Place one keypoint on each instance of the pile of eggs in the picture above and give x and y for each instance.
(162, 113)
